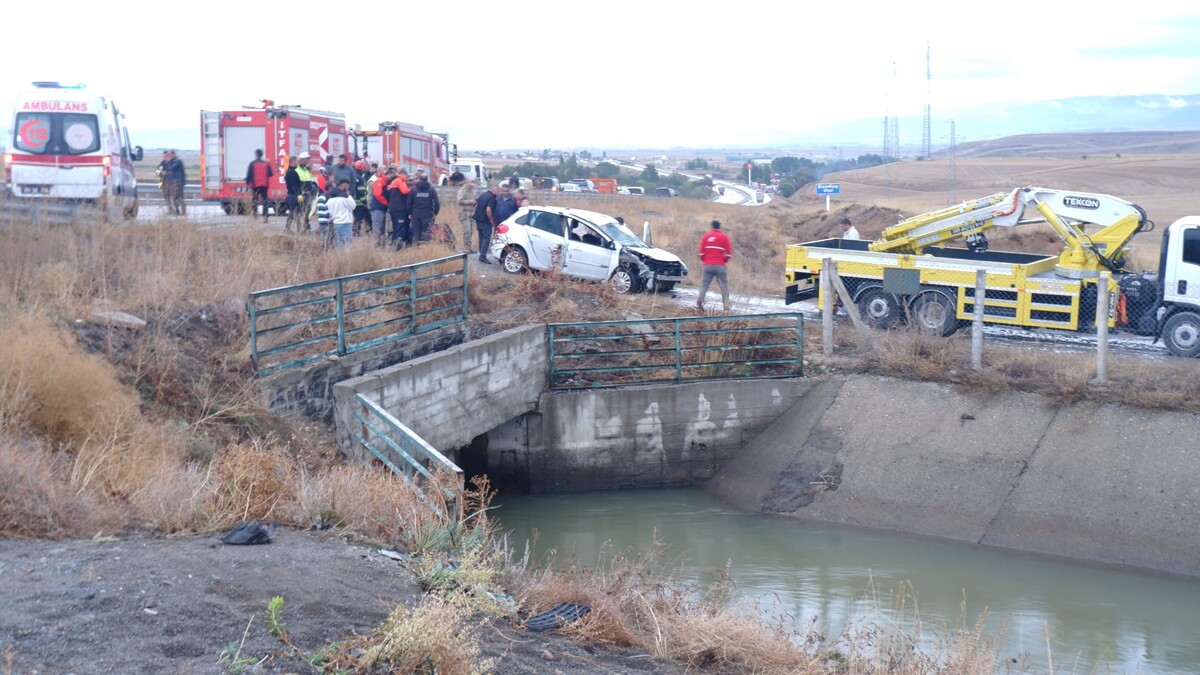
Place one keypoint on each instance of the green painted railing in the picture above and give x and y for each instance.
(294, 325)
(675, 350)
(401, 450)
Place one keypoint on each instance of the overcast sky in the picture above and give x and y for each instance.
(607, 74)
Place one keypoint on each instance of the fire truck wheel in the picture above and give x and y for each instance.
(880, 309)
(227, 208)
(933, 313)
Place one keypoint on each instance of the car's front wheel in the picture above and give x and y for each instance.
(624, 280)
(513, 260)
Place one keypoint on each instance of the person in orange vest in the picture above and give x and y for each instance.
(258, 177)
(715, 251)
(379, 203)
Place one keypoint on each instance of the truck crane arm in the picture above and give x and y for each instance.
(1067, 212)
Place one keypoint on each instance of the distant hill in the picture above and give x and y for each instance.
(1081, 144)
(1084, 114)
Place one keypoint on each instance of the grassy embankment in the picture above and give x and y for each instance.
(105, 430)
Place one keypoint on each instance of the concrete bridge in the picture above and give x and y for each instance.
(1099, 482)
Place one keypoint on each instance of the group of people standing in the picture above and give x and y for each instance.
(344, 198)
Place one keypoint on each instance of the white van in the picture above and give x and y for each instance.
(70, 144)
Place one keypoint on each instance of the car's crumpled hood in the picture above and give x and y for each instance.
(654, 253)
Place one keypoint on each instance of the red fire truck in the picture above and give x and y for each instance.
(408, 146)
(230, 137)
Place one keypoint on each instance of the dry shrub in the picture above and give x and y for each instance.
(36, 497)
(375, 504)
(252, 481)
(55, 389)
(76, 402)
(436, 636)
(174, 502)
(910, 353)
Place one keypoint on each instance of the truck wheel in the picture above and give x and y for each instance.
(623, 280)
(227, 208)
(513, 260)
(933, 313)
(1181, 334)
(880, 309)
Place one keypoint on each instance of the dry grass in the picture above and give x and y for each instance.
(437, 636)
(645, 601)
(1062, 378)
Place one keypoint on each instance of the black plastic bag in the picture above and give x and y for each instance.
(252, 532)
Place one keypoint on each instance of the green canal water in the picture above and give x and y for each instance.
(1094, 618)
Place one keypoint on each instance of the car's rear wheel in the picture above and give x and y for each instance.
(623, 280)
(513, 260)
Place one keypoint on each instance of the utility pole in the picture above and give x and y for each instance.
(927, 127)
(953, 168)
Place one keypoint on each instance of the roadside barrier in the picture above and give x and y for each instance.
(294, 325)
(403, 452)
(675, 350)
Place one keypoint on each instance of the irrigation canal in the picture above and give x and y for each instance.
(1088, 618)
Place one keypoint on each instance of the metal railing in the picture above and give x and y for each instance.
(294, 325)
(45, 211)
(401, 450)
(675, 350)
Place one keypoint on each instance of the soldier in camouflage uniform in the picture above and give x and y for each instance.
(466, 208)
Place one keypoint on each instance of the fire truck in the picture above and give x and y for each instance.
(230, 137)
(407, 146)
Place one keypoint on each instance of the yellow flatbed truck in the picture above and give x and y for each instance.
(908, 275)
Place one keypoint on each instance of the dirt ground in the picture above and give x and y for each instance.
(172, 604)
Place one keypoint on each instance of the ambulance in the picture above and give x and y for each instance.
(230, 137)
(70, 144)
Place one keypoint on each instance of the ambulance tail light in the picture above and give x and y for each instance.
(107, 163)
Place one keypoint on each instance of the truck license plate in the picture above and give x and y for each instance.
(35, 189)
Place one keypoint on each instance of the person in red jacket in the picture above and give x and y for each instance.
(715, 251)
(258, 177)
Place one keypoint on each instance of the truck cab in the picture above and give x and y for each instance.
(1179, 313)
(471, 169)
(71, 144)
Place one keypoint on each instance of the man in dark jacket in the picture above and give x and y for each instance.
(506, 205)
(258, 177)
(397, 206)
(345, 172)
(485, 220)
(423, 207)
(295, 188)
(173, 176)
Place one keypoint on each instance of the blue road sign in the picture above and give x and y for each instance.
(829, 188)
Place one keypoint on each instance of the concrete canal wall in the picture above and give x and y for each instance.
(1100, 482)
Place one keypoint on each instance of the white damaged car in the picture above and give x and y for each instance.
(586, 245)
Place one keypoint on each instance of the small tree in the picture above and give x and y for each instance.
(650, 173)
(607, 170)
